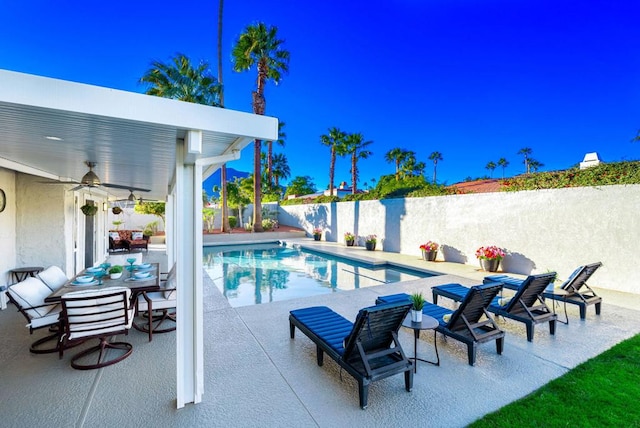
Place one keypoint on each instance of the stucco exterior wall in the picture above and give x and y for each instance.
(555, 229)
(41, 223)
(8, 226)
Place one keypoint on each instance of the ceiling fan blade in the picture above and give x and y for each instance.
(118, 186)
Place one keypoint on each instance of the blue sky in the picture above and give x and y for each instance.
(474, 80)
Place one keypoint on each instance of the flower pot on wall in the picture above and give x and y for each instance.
(316, 237)
(350, 243)
(490, 265)
(370, 246)
(429, 256)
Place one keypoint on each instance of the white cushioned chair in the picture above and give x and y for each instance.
(158, 307)
(53, 277)
(28, 296)
(100, 314)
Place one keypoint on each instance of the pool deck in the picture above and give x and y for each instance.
(255, 375)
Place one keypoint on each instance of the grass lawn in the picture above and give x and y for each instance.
(602, 392)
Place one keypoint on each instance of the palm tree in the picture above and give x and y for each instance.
(503, 163)
(534, 165)
(280, 141)
(335, 141)
(260, 46)
(435, 157)
(491, 166)
(397, 156)
(525, 151)
(180, 80)
(356, 147)
(280, 167)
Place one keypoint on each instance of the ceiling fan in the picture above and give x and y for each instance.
(132, 199)
(90, 179)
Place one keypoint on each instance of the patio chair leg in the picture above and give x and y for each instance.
(471, 351)
(292, 330)
(552, 326)
(583, 312)
(408, 380)
(363, 392)
(598, 308)
(319, 355)
(530, 327)
(499, 345)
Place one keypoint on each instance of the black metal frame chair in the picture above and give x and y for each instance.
(101, 314)
(158, 307)
(368, 349)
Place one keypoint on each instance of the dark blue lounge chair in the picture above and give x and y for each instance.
(364, 348)
(573, 286)
(471, 324)
(526, 306)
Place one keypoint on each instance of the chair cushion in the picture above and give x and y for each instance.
(30, 295)
(115, 236)
(329, 326)
(158, 301)
(53, 277)
(85, 319)
(171, 285)
(136, 236)
(51, 318)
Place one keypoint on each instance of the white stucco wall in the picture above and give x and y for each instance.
(8, 226)
(40, 223)
(556, 229)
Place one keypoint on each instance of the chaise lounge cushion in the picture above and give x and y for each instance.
(30, 295)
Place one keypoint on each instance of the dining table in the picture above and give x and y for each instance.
(137, 286)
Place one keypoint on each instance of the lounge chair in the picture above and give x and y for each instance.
(526, 306)
(368, 349)
(573, 286)
(464, 324)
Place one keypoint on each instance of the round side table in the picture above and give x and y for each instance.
(427, 323)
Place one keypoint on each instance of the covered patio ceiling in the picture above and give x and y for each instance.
(51, 128)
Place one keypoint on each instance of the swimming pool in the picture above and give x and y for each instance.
(262, 273)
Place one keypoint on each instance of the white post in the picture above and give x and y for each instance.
(189, 336)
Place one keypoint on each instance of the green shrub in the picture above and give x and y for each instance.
(115, 269)
(233, 221)
(268, 224)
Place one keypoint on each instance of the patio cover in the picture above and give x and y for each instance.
(50, 128)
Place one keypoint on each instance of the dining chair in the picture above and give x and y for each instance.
(53, 277)
(28, 296)
(97, 314)
(158, 307)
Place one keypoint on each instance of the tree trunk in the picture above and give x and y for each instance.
(354, 173)
(225, 227)
(257, 188)
(332, 167)
(269, 162)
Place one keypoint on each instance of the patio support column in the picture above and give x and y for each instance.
(188, 244)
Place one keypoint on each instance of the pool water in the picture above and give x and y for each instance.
(262, 273)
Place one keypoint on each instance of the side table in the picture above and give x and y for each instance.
(428, 323)
(20, 274)
(562, 294)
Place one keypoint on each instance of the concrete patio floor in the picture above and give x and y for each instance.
(255, 375)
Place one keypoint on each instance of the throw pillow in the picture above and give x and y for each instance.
(115, 236)
(136, 235)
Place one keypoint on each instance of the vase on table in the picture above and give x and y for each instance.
(490, 265)
(429, 256)
(370, 246)
(416, 315)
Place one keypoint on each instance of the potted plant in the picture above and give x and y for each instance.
(116, 210)
(89, 210)
(490, 257)
(317, 233)
(349, 239)
(115, 271)
(429, 251)
(370, 242)
(418, 303)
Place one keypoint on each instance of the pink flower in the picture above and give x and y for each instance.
(429, 246)
(490, 253)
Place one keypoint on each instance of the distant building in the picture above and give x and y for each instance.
(590, 159)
